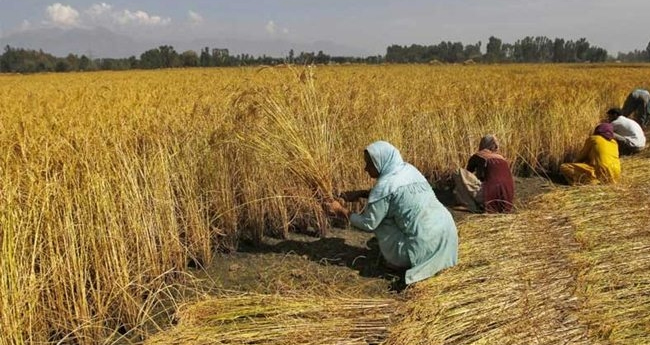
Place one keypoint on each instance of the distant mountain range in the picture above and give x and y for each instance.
(102, 43)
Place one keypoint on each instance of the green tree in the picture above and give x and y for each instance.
(133, 62)
(205, 59)
(582, 46)
(494, 52)
(543, 48)
(189, 58)
(61, 66)
(151, 59)
(473, 51)
(169, 57)
(9, 60)
(221, 57)
(321, 57)
(559, 55)
(85, 64)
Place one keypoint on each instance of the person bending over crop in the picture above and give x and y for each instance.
(638, 102)
(598, 160)
(487, 183)
(413, 229)
(627, 133)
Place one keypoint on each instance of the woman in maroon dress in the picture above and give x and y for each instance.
(487, 183)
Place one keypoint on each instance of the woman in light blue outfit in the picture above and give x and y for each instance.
(414, 230)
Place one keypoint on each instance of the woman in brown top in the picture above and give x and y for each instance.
(487, 183)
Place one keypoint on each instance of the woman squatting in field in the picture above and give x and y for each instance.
(414, 230)
(638, 102)
(627, 133)
(487, 183)
(598, 160)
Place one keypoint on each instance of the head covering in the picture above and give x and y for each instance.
(605, 130)
(385, 157)
(393, 171)
(489, 142)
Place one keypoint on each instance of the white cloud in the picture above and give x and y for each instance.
(98, 10)
(105, 14)
(139, 18)
(285, 31)
(62, 15)
(270, 27)
(194, 17)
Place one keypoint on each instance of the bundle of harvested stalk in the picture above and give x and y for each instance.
(273, 319)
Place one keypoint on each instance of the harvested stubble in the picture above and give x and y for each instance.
(614, 231)
(272, 319)
(575, 268)
(515, 284)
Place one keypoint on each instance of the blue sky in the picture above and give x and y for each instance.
(372, 25)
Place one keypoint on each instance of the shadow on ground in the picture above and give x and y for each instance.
(345, 261)
(343, 248)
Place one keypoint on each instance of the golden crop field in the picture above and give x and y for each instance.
(113, 181)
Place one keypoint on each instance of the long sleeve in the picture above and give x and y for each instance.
(372, 216)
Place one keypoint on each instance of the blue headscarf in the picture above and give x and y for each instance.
(393, 171)
(385, 157)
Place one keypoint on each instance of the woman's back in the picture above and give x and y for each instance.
(497, 186)
(603, 156)
(419, 226)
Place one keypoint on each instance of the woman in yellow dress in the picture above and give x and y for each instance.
(598, 161)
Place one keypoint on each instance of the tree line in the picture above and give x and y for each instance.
(19, 60)
(538, 49)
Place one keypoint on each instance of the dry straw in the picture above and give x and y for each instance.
(571, 268)
(295, 131)
(114, 182)
(270, 319)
